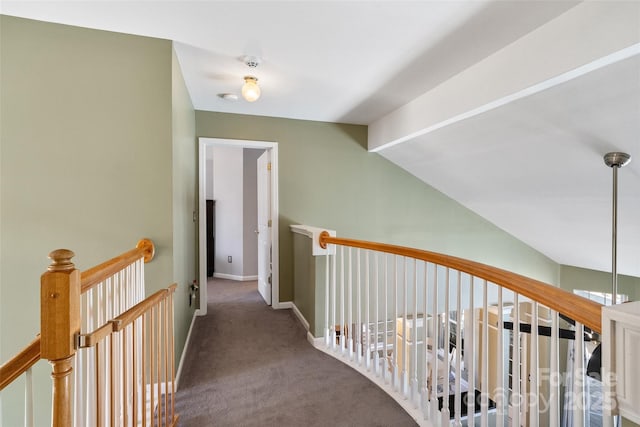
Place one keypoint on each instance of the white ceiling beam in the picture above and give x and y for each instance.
(588, 36)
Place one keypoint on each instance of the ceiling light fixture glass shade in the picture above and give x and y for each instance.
(250, 89)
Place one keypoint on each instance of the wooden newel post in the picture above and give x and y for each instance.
(59, 329)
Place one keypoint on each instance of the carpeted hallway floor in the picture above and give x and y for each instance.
(250, 365)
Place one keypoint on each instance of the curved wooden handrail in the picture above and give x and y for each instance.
(19, 363)
(91, 277)
(576, 307)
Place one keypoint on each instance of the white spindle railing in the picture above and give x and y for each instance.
(93, 335)
(28, 398)
(134, 365)
(107, 380)
(428, 332)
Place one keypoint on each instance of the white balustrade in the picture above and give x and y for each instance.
(100, 376)
(451, 348)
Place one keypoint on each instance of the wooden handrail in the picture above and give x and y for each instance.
(124, 319)
(120, 322)
(574, 306)
(29, 355)
(20, 363)
(91, 277)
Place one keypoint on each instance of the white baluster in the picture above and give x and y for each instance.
(351, 325)
(334, 300)
(470, 355)
(376, 289)
(361, 331)
(484, 369)
(534, 375)
(385, 360)
(457, 393)
(446, 414)
(116, 362)
(500, 391)
(395, 372)
(405, 338)
(79, 367)
(367, 285)
(426, 408)
(414, 338)
(105, 300)
(578, 377)
(110, 364)
(516, 396)
(327, 301)
(91, 369)
(554, 374)
(139, 341)
(28, 398)
(343, 331)
(432, 354)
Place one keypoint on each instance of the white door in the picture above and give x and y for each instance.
(264, 226)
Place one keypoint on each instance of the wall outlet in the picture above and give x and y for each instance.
(229, 259)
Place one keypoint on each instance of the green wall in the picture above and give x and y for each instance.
(328, 179)
(90, 160)
(304, 280)
(591, 280)
(184, 171)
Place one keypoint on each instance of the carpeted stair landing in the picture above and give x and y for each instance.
(250, 365)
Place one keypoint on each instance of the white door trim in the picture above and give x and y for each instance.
(202, 238)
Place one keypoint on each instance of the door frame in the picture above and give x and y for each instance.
(203, 143)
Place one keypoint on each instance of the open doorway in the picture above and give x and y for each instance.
(261, 261)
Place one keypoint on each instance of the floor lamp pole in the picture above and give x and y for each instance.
(615, 161)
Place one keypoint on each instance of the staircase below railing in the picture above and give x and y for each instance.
(457, 342)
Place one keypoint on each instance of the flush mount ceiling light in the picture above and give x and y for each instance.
(250, 89)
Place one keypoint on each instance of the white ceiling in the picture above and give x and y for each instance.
(337, 61)
(535, 166)
(532, 166)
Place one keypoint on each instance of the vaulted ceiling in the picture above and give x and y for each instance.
(506, 106)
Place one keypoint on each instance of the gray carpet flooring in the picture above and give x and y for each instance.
(250, 365)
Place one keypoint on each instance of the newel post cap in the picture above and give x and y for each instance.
(61, 260)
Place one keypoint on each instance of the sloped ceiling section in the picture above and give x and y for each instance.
(520, 136)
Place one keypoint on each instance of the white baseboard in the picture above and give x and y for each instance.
(184, 350)
(283, 305)
(300, 317)
(316, 342)
(296, 311)
(234, 277)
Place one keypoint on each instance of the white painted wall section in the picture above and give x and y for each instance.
(227, 191)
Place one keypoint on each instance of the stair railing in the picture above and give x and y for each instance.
(96, 327)
(438, 334)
